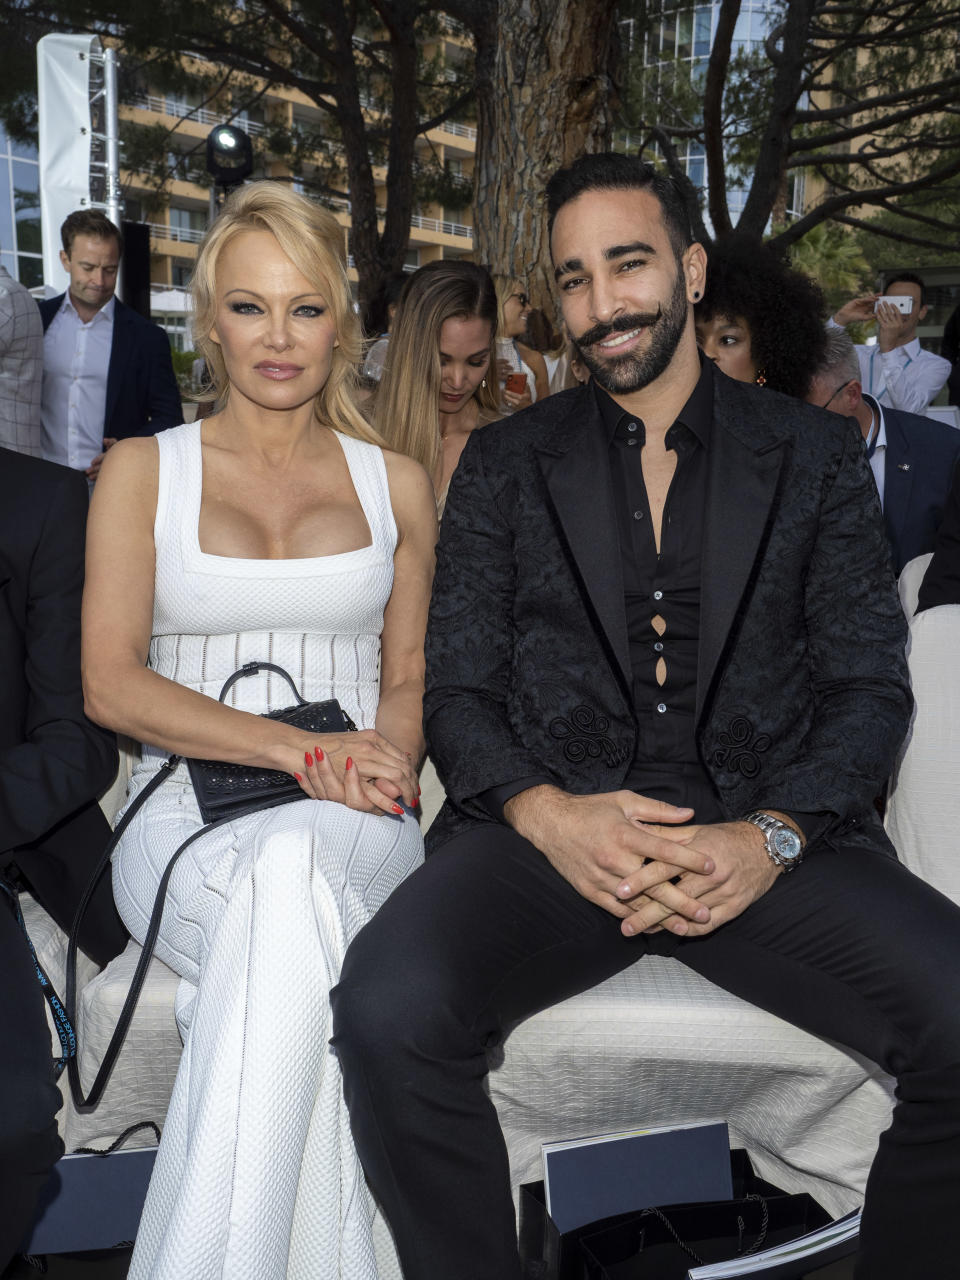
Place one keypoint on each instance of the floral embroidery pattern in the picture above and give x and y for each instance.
(741, 747)
(585, 735)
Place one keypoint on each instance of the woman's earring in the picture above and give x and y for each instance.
(483, 382)
(761, 379)
(696, 295)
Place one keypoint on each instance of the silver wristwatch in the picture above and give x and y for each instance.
(783, 844)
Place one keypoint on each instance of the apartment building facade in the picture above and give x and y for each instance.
(176, 229)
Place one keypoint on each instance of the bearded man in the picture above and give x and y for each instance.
(665, 680)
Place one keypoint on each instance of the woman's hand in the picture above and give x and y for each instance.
(362, 770)
(515, 400)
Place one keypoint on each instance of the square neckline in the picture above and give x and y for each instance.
(358, 489)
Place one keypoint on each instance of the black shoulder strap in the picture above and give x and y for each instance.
(89, 1102)
(70, 990)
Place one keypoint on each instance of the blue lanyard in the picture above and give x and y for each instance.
(62, 1024)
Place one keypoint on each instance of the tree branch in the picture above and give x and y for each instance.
(879, 230)
(835, 205)
(717, 68)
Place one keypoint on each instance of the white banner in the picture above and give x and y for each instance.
(63, 84)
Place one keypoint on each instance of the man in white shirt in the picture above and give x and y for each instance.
(107, 372)
(896, 370)
(913, 459)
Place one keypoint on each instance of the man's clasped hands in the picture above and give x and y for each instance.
(627, 854)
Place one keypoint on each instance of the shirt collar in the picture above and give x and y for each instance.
(106, 311)
(877, 407)
(911, 348)
(697, 413)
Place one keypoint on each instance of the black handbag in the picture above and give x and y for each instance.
(230, 790)
(224, 792)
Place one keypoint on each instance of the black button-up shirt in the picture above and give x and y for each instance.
(665, 585)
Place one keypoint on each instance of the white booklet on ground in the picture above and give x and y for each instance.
(795, 1258)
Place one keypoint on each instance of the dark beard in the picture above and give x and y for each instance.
(637, 369)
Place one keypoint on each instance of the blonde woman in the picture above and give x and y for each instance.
(437, 384)
(513, 355)
(278, 529)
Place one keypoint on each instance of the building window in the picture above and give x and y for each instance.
(20, 211)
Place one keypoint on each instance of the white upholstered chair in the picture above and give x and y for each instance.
(923, 806)
(653, 1045)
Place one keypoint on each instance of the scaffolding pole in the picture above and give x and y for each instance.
(114, 199)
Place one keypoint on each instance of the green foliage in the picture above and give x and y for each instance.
(833, 256)
(882, 238)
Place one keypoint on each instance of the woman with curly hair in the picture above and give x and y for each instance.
(760, 320)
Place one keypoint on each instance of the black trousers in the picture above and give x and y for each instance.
(29, 1099)
(850, 946)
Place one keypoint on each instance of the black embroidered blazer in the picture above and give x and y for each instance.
(802, 689)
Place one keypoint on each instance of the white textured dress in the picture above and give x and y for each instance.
(256, 1177)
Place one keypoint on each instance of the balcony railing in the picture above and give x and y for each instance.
(435, 224)
(416, 219)
(203, 115)
(183, 111)
(190, 235)
(461, 130)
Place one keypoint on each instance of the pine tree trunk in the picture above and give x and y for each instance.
(544, 96)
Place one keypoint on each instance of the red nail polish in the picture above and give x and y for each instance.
(297, 776)
(349, 762)
(319, 754)
(397, 809)
(419, 792)
(307, 759)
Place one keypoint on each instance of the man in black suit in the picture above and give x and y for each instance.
(665, 596)
(107, 372)
(913, 459)
(54, 763)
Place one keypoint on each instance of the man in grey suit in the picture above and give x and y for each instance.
(21, 367)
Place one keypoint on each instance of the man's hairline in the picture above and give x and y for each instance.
(678, 252)
(95, 235)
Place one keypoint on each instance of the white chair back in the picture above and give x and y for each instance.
(923, 809)
(948, 413)
(909, 582)
(113, 798)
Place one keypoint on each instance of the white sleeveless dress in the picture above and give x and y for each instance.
(257, 1177)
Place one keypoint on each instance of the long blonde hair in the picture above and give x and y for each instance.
(313, 240)
(406, 405)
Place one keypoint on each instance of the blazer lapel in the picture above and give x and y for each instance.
(119, 351)
(576, 469)
(897, 478)
(745, 459)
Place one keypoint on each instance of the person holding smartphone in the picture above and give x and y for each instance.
(896, 370)
(523, 373)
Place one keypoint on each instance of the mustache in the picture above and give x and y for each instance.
(623, 324)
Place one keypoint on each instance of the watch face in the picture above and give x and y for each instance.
(786, 843)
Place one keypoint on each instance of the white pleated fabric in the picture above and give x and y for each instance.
(257, 1178)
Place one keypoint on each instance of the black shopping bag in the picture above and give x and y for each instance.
(549, 1254)
(662, 1244)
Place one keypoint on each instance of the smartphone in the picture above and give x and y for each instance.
(903, 305)
(517, 383)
